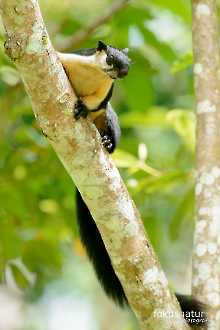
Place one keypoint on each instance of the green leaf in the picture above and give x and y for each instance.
(161, 183)
(9, 75)
(124, 159)
(182, 63)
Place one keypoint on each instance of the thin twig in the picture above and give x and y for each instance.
(81, 35)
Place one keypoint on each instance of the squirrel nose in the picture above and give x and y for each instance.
(123, 72)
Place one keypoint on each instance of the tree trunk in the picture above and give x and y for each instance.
(206, 256)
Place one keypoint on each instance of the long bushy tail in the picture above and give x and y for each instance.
(193, 310)
(97, 253)
(92, 240)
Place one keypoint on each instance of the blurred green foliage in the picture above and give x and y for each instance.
(155, 156)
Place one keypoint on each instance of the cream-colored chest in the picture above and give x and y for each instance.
(88, 79)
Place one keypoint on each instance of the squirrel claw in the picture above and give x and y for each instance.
(107, 143)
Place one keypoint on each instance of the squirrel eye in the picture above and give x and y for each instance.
(109, 59)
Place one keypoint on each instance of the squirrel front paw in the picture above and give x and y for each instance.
(107, 143)
(80, 110)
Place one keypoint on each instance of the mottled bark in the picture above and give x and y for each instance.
(206, 256)
(77, 144)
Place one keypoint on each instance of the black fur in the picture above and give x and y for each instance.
(97, 253)
(193, 311)
(80, 110)
(117, 58)
(101, 46)
(112, 129)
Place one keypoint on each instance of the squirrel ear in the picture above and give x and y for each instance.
(101, 46)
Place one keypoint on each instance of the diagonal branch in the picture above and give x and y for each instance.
(77, 144)
(206, 269)
(83, 34)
